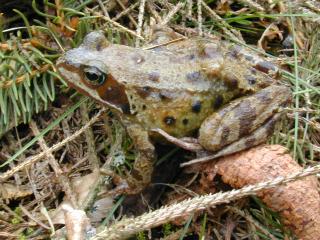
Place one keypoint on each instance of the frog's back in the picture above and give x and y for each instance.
(173, 87)
(177, 86)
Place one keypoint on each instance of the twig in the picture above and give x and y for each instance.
(55, 147)
(129, 15)
(189, 8)
(125, 12)
(116, 24)
(231, 33)
(104, 10)
(63, 180)
(129, 226)
(27, 213)
(152, 10)
(140, 20)
(199, 10)
(169, 16)
(253, 5)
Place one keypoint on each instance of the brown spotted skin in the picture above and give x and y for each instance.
(218, 87)
(243, 118)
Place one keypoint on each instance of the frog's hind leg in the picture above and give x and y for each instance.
(244, 123)
(259, 136)
(162, 36)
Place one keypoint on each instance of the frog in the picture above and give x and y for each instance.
(226, 95)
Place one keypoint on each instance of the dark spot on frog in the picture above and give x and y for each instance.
(138, 58)
(235, 51)
(270, 125)
(265, 66)
(211, 52)
(125, 108)
(185, 121)
(163, 96)
(136, 174)
(144, 91)
(253, 71)
(191, 57)
(169, 120)
(248, 57)
(166, 95)
(251, 79)
(194, 76)
(144, 107)
(154, 76)
(250, 142)
(264, 96)
(217, 102)
(224, 135)
(246, 114)
(130, 97)
(99, 46)
(196, 107)
(134, 107)
(231, 81)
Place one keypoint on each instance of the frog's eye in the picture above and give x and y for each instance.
(94, 76)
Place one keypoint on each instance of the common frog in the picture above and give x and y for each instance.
(226, 93)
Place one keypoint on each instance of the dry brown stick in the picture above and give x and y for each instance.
(6, 46)
(55, 147)
(173, 11)
(189, 8)
(312, 6)
(29, 215)
(199, 10)
(62, 179)
(152, 10)
(125, 12)
(253, 5)
(104, 10)
(118, 25)
(140, 20)
(233, 34)
(11, 212)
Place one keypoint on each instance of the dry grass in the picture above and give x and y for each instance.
(42, 158)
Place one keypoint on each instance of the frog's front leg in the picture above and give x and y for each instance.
(245, 122)
(143, 166)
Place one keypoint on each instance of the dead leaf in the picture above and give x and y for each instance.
(10, 191)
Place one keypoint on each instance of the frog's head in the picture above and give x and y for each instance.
(84, 69)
